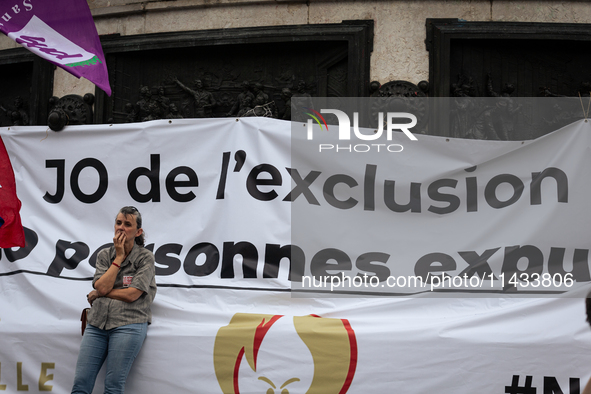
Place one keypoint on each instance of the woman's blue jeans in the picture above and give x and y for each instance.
(118, 346)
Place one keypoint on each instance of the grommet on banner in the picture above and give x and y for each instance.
(585, 114)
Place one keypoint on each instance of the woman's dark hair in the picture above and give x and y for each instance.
(129, 210)
(588, 308)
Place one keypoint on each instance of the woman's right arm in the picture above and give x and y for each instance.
(104, 284)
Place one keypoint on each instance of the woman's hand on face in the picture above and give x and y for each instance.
(90, 297)
(119, 242)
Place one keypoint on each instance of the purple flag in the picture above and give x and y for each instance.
(61, 31)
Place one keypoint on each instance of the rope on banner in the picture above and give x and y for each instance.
(583, 107)
(46, 135)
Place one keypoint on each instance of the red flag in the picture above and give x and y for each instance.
(11, 229)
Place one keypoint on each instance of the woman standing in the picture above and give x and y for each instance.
(124, 288)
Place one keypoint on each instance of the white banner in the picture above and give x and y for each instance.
(236, 212)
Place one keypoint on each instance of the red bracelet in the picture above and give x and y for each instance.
(116, 265)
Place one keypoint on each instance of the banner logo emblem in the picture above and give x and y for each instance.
(287, 355)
